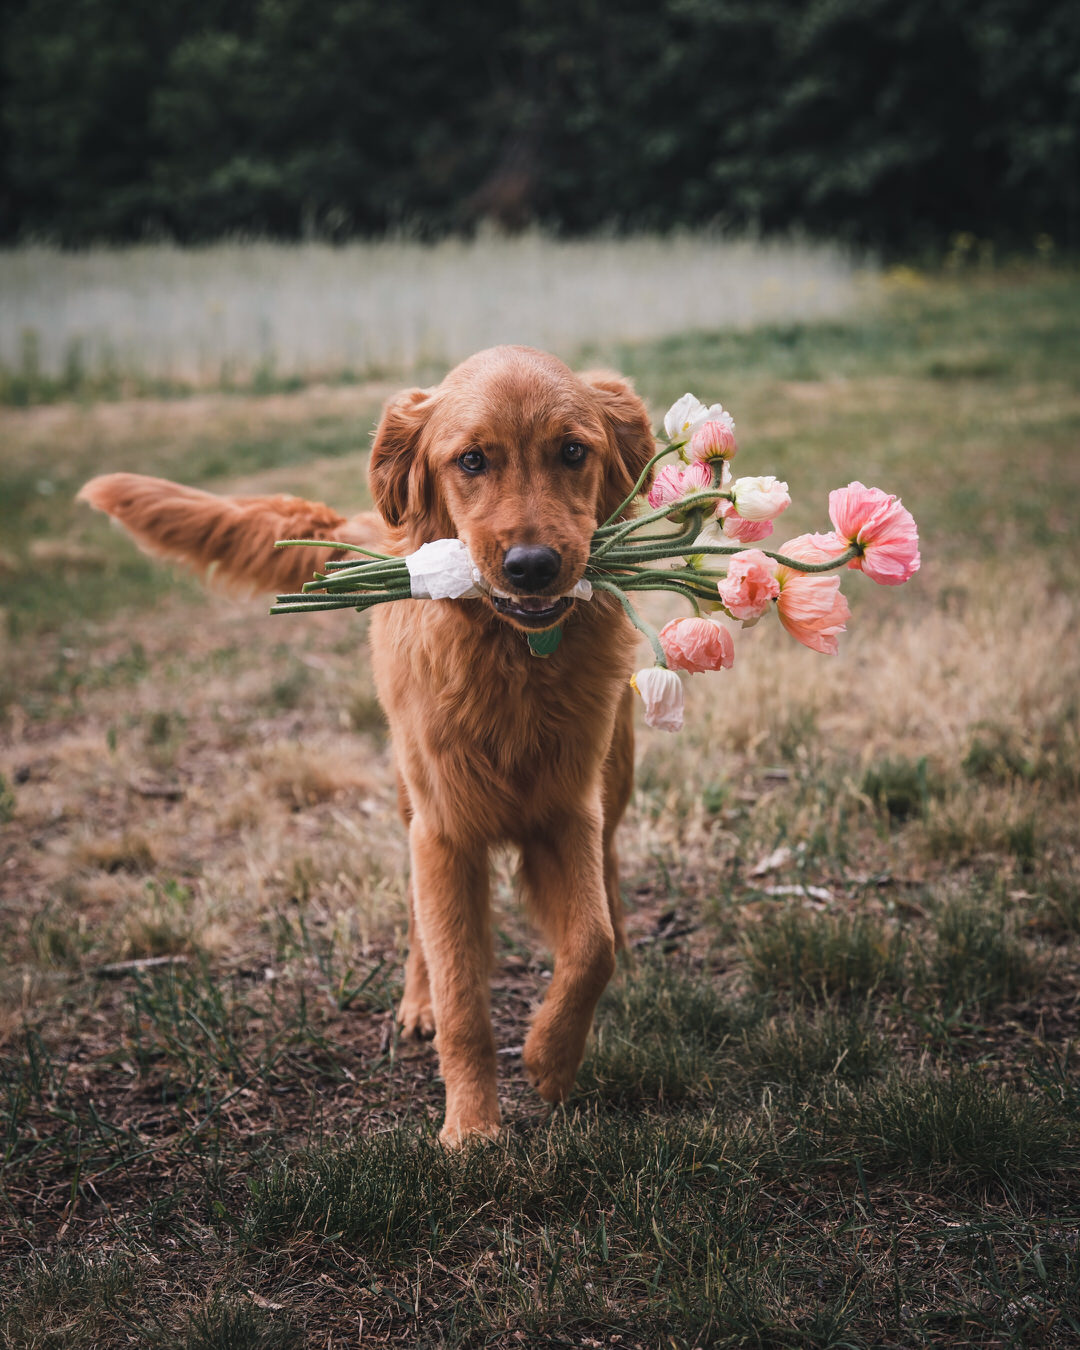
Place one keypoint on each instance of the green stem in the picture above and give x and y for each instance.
(683, 588)
(796, 566)
(301, 601)
(629, 557)
(687, 534)
(389, 578)
(660, 513)
(635, 618)
(628, 501)
(332, 543)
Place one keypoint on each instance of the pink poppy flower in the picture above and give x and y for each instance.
(697, 645)
(882, 527)
(672, 483)
(714, 439)
(810, 605)
(749, 585)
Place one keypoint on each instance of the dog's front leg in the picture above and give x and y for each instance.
(415, 1014)
(452, 903)
(563, 872)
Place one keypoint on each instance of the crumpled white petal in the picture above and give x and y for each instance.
(442, 570)
(710, 535)
(662, 692)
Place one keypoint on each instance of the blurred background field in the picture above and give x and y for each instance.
(834, 1098)
(164, 319)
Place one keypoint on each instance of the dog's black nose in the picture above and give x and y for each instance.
(531, 567)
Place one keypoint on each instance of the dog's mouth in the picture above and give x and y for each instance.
(532, 611)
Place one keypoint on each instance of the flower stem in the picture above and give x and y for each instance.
(301, 601)
(334, 543)
(635, 618)
(674, 542)
(628, 501)
(661, 582)
(829, 565)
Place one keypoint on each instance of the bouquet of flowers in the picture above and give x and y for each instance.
(710, 559)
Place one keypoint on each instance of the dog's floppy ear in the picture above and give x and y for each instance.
(401, 481)
(631, 429)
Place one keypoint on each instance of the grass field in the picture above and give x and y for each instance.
(835, 1099)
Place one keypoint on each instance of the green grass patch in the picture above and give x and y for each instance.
(1059, 910)
(68, 1301)
(962, 1126)
(7, 801)
(900, 788)
(666, 1038)
(663, 1036)
(977, 959)
(225, 1325)
(820, 955)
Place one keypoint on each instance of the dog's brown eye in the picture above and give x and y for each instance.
(574, 452)
(473, 461)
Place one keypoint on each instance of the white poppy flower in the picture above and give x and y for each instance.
(683, 418)
(663, 694)
(442, 570)
(760, 498)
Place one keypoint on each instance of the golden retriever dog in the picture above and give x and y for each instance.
(520, 458)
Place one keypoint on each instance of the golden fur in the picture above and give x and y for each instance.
(492, 743)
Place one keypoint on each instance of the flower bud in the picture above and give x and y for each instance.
(714, 439)
(673, 483)
(760, 498)
(662, 692)
(749, 586)
(697, 645)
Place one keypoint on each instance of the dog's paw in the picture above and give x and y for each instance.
(416, 1018)
(549, 1068)
(461, 1132)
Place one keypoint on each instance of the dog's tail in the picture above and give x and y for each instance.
(229, 541)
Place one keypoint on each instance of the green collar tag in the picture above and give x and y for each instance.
(543, 644)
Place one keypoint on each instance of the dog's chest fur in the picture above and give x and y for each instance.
(481, 724)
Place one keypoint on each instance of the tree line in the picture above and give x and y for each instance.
(895, 123)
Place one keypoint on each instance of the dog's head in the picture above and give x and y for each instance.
(522, 459)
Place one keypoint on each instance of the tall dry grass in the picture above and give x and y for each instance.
(236, 310)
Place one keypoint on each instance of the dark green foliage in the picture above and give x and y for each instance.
(898, 121)
(1060, 910)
